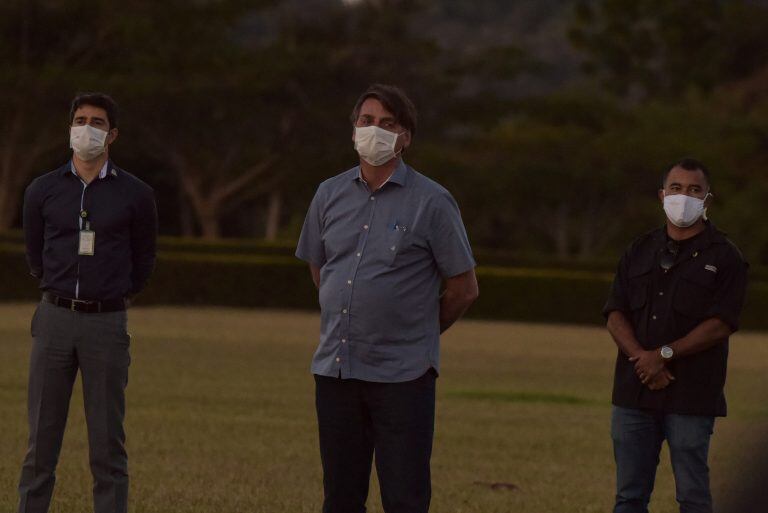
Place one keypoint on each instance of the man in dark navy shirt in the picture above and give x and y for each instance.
(90, 230)
(675, 301)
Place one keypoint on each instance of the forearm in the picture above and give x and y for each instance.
(315, 271)
(707, 334)
(33, 237)
(623, 334)
(144, 243)
(140, 276)
(460, 292)
(452, 307)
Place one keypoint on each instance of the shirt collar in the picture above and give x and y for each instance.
(398, 176)
(102, 173)
(710, 235)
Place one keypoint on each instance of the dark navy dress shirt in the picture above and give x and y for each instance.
(118, 207)
(382, 256)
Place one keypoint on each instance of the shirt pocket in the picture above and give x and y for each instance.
(395, 242)
(639, 278)
(695, 293)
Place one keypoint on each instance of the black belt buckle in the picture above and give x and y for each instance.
(86, 305)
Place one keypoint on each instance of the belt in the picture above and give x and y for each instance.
(85, 305)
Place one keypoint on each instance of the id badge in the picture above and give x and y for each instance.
(87, 242)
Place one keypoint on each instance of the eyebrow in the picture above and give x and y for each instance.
(385, 118)
(686, 186)
(93, 118)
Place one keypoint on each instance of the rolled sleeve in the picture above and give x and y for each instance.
(310, 247)
(730, 293)
(448, 239)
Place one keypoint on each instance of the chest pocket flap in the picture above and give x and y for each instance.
(639, 278)
(695, 290)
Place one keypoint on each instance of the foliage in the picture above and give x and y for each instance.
(235, 110)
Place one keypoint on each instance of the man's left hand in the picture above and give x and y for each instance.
(647, 365)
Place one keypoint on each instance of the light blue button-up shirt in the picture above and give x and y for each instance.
(382, 256)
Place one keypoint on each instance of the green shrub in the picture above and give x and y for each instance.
(278, 281)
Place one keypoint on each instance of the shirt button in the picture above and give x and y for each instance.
(661, 293)
(365, 227)
(392, 248)
(653, 317)
(349, 282)
(343, 340)
(344, 311)
(338, 359)
(372, 198)
(359, 254)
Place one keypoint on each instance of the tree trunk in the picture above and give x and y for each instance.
(186, 217)
(273, 215)
(589, 227)
(560, 231)
(10, 196)
(12, 178)
(210, 227)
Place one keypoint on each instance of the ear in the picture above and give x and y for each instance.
(708, 200)
(406, 139)
(112, 135)
(661, 196)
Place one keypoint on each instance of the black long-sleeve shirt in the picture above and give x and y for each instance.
(119, 208)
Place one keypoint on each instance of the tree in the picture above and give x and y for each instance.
(644, 49)
(47, 48)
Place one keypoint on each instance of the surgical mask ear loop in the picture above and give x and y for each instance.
(704, 214)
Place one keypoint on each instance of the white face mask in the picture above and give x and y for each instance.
(375, 145)
(87, 141)
(683, 210)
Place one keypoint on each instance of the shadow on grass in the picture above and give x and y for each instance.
(518, 397)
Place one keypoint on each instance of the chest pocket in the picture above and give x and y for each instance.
(639, 281)
(395, 241)
(695, 291)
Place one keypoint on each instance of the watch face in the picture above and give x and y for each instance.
(666, 352)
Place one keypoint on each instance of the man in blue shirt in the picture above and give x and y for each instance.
(380, 239)
(90, 230)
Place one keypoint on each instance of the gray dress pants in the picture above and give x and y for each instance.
(97, 344)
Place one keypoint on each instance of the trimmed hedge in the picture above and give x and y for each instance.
(255, 247)
(526, 294)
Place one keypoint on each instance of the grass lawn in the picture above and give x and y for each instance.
(221, 417)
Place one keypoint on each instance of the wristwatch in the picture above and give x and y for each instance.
(666, 352)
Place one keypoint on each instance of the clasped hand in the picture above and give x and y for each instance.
(649, 367)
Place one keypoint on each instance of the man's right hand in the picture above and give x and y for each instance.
(661, 380)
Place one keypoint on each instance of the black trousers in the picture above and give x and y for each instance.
(97, 345)
(394, 421)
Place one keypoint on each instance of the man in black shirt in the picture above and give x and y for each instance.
(90, 230)
(675, 301)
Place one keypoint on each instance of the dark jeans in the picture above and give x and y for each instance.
(637, 438)
(394, 421)
(97, 344)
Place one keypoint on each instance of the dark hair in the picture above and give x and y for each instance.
(394, 100)
(101, 100)
(689, 164)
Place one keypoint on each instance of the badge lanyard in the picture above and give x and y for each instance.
(87, 241)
